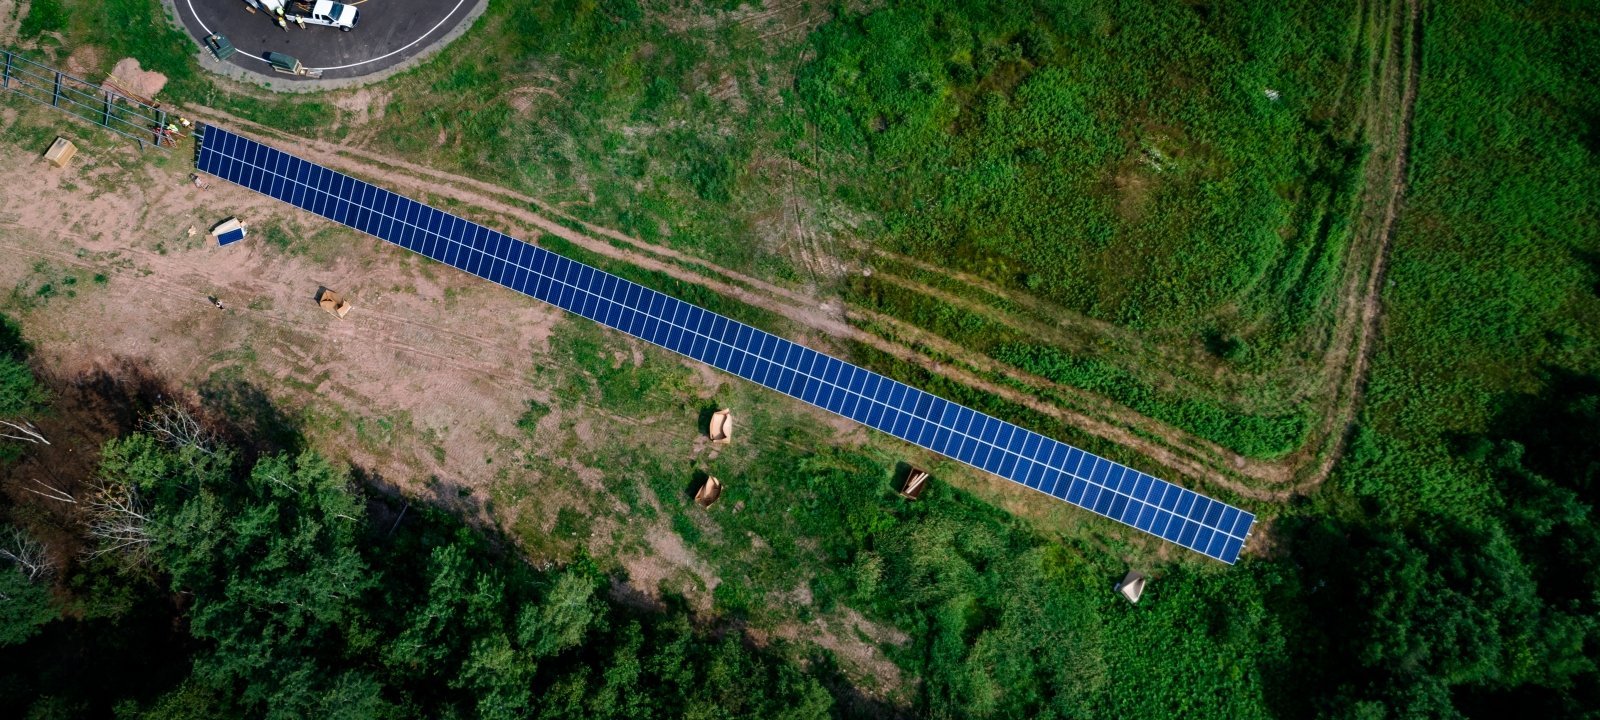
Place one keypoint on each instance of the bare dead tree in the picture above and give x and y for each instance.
(29, 554)
(26, 432)
(274, 477)
(117, 520)
(172, 424)
(52, 492)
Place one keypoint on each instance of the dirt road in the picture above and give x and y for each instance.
(1332, 387)
(448, 355)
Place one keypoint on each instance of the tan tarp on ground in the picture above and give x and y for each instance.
(721, 430)
(708, 493)
(330, 301)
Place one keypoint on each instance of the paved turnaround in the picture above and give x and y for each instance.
(390, 33)
(1104, 487)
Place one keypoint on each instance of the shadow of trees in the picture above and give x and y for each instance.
(250, 420)
(1483, 616)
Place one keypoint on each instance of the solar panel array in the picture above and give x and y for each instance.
(1106, 488)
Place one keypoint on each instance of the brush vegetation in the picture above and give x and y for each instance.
(1119, 161)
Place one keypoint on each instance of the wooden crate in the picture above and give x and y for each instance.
(61, 152)
(916, 481)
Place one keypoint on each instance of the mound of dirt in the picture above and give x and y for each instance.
(128, 77)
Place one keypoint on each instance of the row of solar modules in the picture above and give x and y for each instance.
(1104, 487)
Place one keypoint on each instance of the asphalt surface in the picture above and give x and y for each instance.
(388, 33)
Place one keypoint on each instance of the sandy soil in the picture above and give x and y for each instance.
(11, 14)
(447, 360)
(128, 76)
(447, 353)
(827, 321)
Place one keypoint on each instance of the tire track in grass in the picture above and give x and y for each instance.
(1342, 370)
(1189, 455)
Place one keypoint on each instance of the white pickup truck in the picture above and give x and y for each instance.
(317, 12)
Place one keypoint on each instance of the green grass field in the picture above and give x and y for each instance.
(1203, 210)
(1063, 171)
(1123, 160)
(1114, 173)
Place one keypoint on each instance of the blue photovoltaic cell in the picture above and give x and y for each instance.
(230, 237)
(1106, 488)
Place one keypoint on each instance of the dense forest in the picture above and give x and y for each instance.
(219, 583)
(199, 560)
(222, 574)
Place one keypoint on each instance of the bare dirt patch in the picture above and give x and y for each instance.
(84, 61)
(411, 361)
(792, 225)
(11, 14)
(670, 566)
(1133, 185)
(855, 641)
(364, 105)
(523, 98)
(128, 76)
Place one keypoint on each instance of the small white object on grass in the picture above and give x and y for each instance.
(1132, 586)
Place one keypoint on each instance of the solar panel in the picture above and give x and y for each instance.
(1106, 488)
(230, 237)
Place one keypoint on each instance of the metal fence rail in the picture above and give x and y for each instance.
(82, 99)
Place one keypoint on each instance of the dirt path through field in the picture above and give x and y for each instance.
(1334, 385)
(452, 354)
(1365, 297)
(1152, 360)
(1174, 448)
